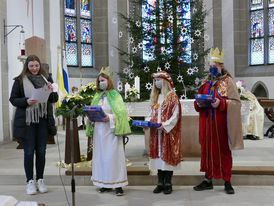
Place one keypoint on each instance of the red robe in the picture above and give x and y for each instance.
(171, 151)
(216, 158)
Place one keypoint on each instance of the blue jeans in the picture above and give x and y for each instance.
(35, 141)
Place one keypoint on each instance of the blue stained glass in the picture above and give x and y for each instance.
(271, 3)
(183, 20)
(256, 4)
(86, 55)
(71, 54)
(85, 31)
(70, 7)
(85, 8)
(271, 50)
(70, 29)
(257, 51)
(257, 24)
(271, 22)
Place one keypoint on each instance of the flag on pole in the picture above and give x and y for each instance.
(62, 79)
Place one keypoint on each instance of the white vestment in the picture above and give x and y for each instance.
(256, 118)
(109, 163)
(158, 163)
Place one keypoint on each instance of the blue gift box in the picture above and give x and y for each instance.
(94, 113)
(205, 99)
(140, 123)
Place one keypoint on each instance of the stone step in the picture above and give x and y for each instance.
(143, 170)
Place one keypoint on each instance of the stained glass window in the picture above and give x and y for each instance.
(71, 54)
(78, 43)
(70, 7)
(86, 55)
(85, 31)
(257, 24)
(271, 3)
(256, 4)
(166, 32)
(257, 51)
(70, 29)
(85, 8)
(271, 51)
(271, 22)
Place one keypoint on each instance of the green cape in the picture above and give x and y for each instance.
(118, 108)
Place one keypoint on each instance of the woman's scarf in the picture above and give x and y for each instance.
(37, 110)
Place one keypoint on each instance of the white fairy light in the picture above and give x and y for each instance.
(120, 34)
(170, 18)
(126, 70)
(198, 33)
(180, 78)
(190, 71)
(148, 86)
(195, 69)
(138, 23)
(184, 31)
(134, 50)
(195, 56)
(167, 65)
(146, 69)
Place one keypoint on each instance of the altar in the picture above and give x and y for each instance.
(189, 124)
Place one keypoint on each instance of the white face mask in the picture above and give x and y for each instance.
(103, 85)
(159, 84)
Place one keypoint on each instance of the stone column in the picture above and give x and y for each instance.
(4, 87)
(113, 57)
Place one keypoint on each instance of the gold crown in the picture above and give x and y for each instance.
(216, 56)
(106, 71)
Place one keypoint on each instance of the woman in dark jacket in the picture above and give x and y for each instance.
(33, 120)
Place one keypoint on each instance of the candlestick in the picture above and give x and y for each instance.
(127, 86)
(137, 85)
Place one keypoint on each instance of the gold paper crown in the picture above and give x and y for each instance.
(106, 71)
(216, 56)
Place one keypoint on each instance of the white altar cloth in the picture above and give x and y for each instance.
(142, 109)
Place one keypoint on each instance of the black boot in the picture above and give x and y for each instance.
(168, 184)
(204, 185)
(160, 184)
(228, 188)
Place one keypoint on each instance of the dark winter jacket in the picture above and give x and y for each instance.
(18, 99)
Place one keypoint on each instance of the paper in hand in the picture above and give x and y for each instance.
(41, 94)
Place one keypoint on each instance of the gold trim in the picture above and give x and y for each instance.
(112, 183)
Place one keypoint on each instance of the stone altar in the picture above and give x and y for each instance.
(190, 123)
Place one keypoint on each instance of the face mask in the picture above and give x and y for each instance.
(214, 71)
(159, 84)
(103, 85)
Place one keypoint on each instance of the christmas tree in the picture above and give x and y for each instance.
(168, 35)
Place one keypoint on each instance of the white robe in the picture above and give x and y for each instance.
(109, 163)
(158, 163)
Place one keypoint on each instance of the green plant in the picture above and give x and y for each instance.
(68, 102)
(87, 92)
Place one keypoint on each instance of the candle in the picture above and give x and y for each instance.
(137, 85)
(127, 86)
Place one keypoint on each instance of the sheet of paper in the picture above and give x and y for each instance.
(41, 94)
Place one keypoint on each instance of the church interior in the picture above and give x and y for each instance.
(76, 40)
